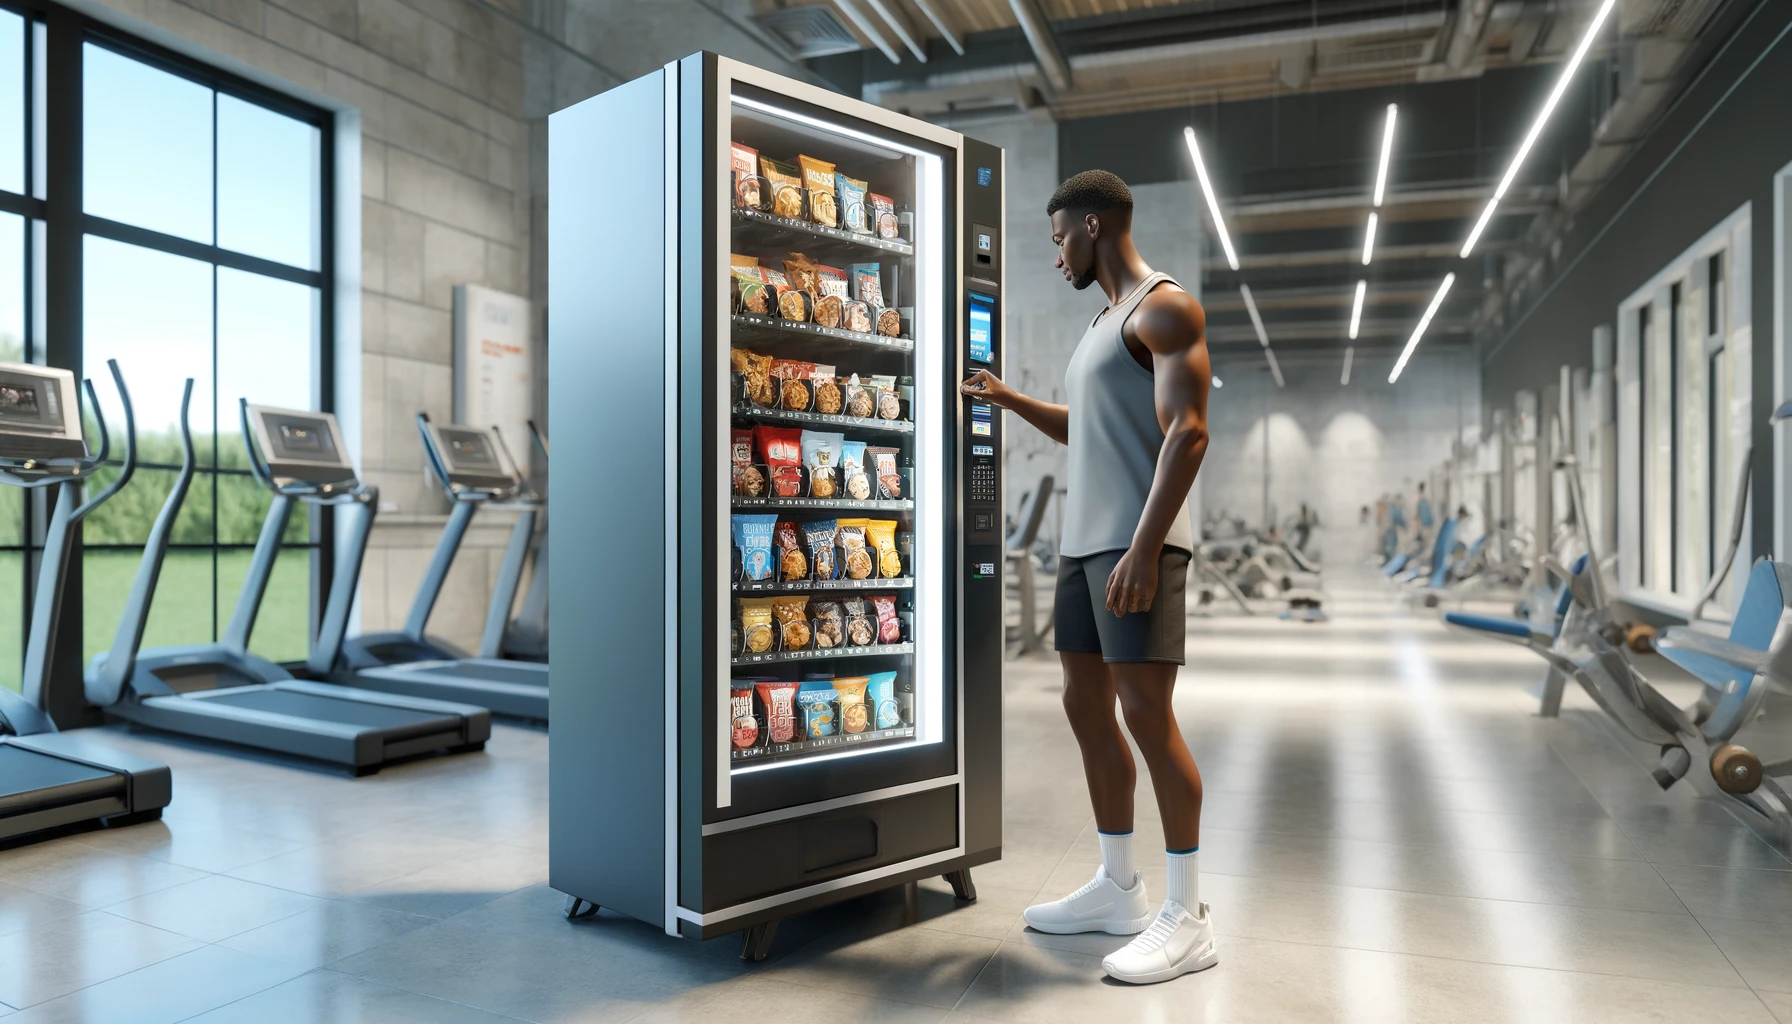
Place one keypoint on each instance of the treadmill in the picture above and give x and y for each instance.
(50, 779)
(475, 469)
(524, 638)
(220, 691)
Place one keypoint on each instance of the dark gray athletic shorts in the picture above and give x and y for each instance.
(1082, 623)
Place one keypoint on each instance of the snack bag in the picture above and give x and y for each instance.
(756, 625)
(855, 316)
(889, 627)
(756, 373)
(888, 400)
(749, 482)
(883, 215)
(753, 535)
(744, 161)
(861, 622)
(827, 391)
(793, 383)
(829, 311)
(852, 470)
(794, 305)
(792, 563)
(803, 273)
(830, 623)
(740, 709)
(786, 184)
(883, 467)
(781, 449)
(821, 454)
(819, 536)
(779, 703)
(751, 293)
(818, 177)
(793, 621)
(850, 692)
(815, 704)
(889, 323)
(881, 693)
(861, 401)
(868, 283)
(855, 549)
(832, 281)
(852, 203)
(882, 533)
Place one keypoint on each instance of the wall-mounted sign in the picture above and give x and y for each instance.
(494, 366)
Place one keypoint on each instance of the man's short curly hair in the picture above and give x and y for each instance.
(1095, 191)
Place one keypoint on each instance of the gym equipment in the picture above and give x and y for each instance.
(51, 779)
(525, 637)
(474, 469)
(221, 691)
(1018, 551)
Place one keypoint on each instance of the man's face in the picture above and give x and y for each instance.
(1074, 234)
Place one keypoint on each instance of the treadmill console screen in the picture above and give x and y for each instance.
(301, 439)
(30, 402)
(469, 451)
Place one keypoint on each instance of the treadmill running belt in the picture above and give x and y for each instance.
(329, 709)
(486, 671)
(31, 781)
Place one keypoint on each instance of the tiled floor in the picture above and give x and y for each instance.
(1390, 835)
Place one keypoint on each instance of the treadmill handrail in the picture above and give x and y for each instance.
(541, 443)
(129, 469)
(343, 581)
(504, 588)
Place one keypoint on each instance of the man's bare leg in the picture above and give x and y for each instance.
(1089, 695)
(1144, 690)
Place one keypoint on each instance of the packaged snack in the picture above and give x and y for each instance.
(792, 563)
(781, 450)
(832, 281)
(821, 454)
(861, 401)
(793, 621)
(815, 704)
(855, 316)
(795, 305)
(886, 398)
(883, 467)
(756, 624)
(850, 693)
(868, 283)
(827, 391)
(753, 535)
(855, 549)
(786, 184)
(829, 305)
(889, 627)
(756, 372)
(830, 623)
(740, 708)
(793, 383)
(882, 534)
(861, 622)
(779, 703)
(744, 160)
(889, 323)
(881, 694)
(829, 309)
(818, 178)
(749, 482)
(851, 193)
(852, 470)
(818, 535)
(751, 293)
(883, 214)
(803, 273)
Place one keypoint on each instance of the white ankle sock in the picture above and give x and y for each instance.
(1116, 856)
(1185, 887)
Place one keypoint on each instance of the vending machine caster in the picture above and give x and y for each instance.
(962, 886)
(577, 908)
(756, 941)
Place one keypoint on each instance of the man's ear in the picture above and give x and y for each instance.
(1092, 222)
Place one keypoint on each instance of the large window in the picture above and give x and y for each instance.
(203, 252)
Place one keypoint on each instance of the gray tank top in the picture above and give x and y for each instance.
(1114, 439)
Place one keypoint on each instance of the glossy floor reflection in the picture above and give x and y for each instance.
(1390, 834)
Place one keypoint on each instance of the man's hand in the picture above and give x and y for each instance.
(989, 387)
(1133, 583)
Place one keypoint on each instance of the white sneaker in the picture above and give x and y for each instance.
(1100, 906)
(1177, 943)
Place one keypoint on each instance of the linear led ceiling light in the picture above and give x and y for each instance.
(1250, 306)
(1549, 106)
(1387, 151)
(1213, 203)
(1356, 308)
(1424, 322)
(1369, 240)
(1275, 368)
(1349, 354)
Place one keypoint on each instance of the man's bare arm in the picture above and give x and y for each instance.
(1051, 420)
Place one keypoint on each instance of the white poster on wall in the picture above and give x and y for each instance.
(494, 366)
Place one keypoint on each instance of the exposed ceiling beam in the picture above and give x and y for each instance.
(897, 19)
(1468, 35)
(941, 24)
(1328, 257)
(1045, 46)
(1414, 293)
(1346, 209)
(1333, 330)
(867, 28)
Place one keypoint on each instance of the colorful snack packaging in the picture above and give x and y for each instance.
(850, 692)
(818, 178)
(756, 373)
(832, 281)
(779, 702)
(740, 709)
(795, 305)
(821, 454)
(803, 273)
(815, 704)
(744, 161)
(868, 283)
(855, 316)
(861, 622)
(786, 184)
(888, 399)
(753, 535)
(756, 625)
(883, 467)
(855, 550)
(819, 536)
(852, 470)
(751, 293)
(830, 623)
(883, 215)
(792, 563)
(882, 533)
(861, 401)
(853, 216)
(889, 627)
(749, 482)
(881, 693)
(781, 449)
(793, 621)
(827, 390)
(793, 383)
(889, 323)
(829, 310)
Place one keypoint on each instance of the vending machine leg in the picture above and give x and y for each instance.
(962, 886)
(576, 908)
(911, 902)
(756, 940)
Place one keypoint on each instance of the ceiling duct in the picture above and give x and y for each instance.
(809, 31)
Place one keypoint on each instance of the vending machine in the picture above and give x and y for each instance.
(777, 667)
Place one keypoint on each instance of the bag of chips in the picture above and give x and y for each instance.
(818, 535)
(855, 549)
(830, 310)
(883, 467)
(751, 293)
(882, 533)
(828, 399)
(756, 375)
(821, 456)
(781, 450)
(881, 693)
(740, 709)
(889, 400)
(793, 383)
(803, 273)
(830, 623)
(815, 703)
(883, 215)
(861, 401)
(852, 470)
(756, 634)
(793, 621)
(889, 626)
(889, 323)
(818, 178)
(851, 193)
(861, 622)
(792, 563)
(795, 305)
(786, 184)
(753, 536)
(749, 482)
(850, 694)
(868, 283)
(744, 161)
(778, 703)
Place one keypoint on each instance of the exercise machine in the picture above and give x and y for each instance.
(525, 637)
(51, 779)
(221, 691)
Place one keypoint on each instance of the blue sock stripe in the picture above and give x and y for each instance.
(1183, 853)
(1128, 832)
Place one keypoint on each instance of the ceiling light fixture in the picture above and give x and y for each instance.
(1387, 151)
(1549, 106)
(1275, 368)
(1369, 240)
(1250, 306)
(1424, 322)
(1217, 382)
(1349, 354)
(1356, 309)
(1213, 202)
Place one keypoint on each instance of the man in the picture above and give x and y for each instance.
(1136, 426)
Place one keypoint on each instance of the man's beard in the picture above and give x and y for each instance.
(1085, 279)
